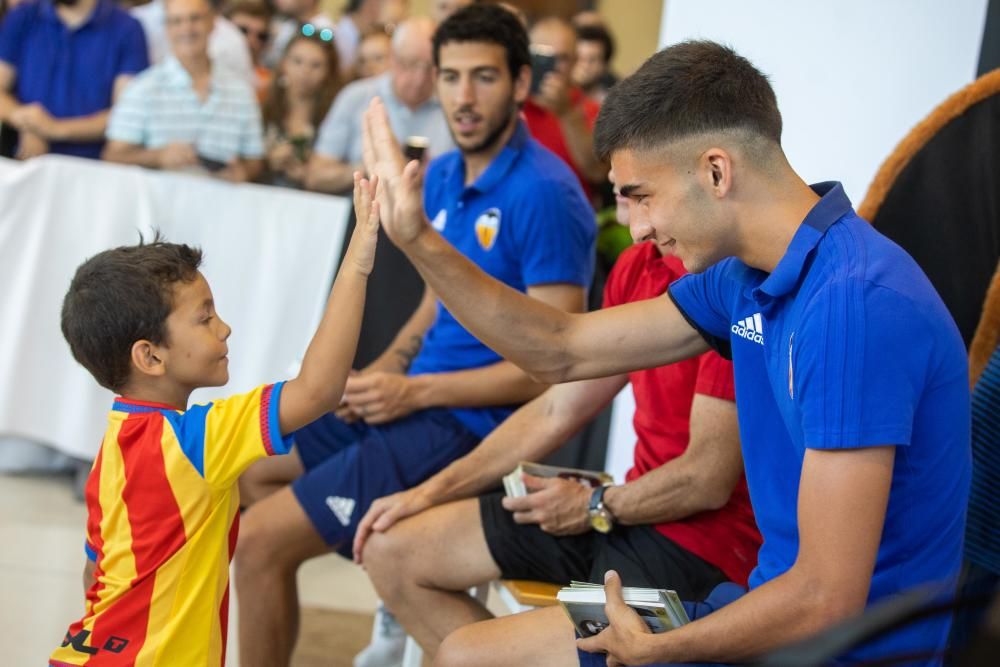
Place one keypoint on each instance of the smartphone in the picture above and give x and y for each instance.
(543, 61)
(210, 164)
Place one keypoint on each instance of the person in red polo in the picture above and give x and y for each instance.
(559, 115)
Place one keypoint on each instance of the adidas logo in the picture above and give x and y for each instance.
(342, 508)
(751, 328)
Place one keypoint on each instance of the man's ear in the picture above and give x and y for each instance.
(717, 166)
(148, 359)
(522, 85)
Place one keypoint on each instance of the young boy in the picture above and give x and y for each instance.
(162, 497)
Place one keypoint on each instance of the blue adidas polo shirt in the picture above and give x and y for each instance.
(845, 345)
(525, 222)
(71, 72)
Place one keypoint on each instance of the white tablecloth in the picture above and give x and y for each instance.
(270, 256)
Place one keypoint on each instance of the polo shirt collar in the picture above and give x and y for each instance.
(102, 11)
(502, 163)
(832, 206)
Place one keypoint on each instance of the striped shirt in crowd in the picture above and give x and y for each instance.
(161, 107)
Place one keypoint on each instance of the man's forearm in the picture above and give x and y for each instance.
(132, 154)
(674, 491)
(530, 434)
(522, 329)
(331, 176)
(502, 383)
(8, 103)
(80, 128)
(786, 609)
(406, 345)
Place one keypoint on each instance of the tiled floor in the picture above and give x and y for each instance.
(41, 561)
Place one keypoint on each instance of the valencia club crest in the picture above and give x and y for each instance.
(487, 228)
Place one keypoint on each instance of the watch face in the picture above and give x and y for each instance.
(600, 521)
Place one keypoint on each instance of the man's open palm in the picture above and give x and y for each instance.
(400, 199)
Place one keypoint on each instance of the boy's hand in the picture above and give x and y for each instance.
(361, 252)
(401, 195)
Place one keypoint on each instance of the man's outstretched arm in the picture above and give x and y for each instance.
(551, 345)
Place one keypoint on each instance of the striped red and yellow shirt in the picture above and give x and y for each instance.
(163, 515)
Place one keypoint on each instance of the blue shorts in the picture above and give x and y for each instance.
(349, 466)
(720, 596)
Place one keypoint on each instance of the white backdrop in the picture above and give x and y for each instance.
(851, 76)
(270, 255)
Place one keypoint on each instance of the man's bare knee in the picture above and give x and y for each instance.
(458, 649)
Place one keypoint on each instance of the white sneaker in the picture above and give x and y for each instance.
(387, 644)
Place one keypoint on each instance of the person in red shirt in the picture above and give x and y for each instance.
(682, 520)
(559, 115)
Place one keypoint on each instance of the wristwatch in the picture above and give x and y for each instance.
(601, 518)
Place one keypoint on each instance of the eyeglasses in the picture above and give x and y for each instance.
(262, 35)
(309, 30)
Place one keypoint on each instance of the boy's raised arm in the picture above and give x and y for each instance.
(320, 384)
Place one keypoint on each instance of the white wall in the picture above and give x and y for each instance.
(852, 76)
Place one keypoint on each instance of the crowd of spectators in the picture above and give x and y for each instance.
(309, 78)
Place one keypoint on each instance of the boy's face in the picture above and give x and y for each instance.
(195, 351)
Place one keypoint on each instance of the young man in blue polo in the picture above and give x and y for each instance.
(516, 211)
(851, 378)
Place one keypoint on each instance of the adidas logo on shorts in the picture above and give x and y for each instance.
(750, 328)
(342, 508)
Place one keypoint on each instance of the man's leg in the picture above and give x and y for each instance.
(543, 637)
(276, 537)
(429, 560)
(269, 475)
(426, 563)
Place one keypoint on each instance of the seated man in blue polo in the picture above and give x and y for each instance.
(62, 65)
(188, 113)
(516, 211)
(851, 376)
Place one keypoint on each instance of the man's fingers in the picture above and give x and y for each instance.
(613, 593)
(519, 504)
(593, 644)
(363, 531)
(533, 483)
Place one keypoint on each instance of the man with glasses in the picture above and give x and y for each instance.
(253, 19)
(407, 90)
(187, 112)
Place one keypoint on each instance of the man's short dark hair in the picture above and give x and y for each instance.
(597, 33)
(691, 88)
(486, 23)
(121, 296)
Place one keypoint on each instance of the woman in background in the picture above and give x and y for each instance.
(305, 83)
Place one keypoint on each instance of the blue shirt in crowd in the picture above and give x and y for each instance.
(524, 221)
(846, 345)
(71, 72)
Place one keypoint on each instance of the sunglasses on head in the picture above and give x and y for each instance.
(324, 34)
(262, 35)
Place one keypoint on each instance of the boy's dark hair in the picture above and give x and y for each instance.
(254, 8)
(486, 23)
(596, 33)
(120, 296)
(687, 89)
